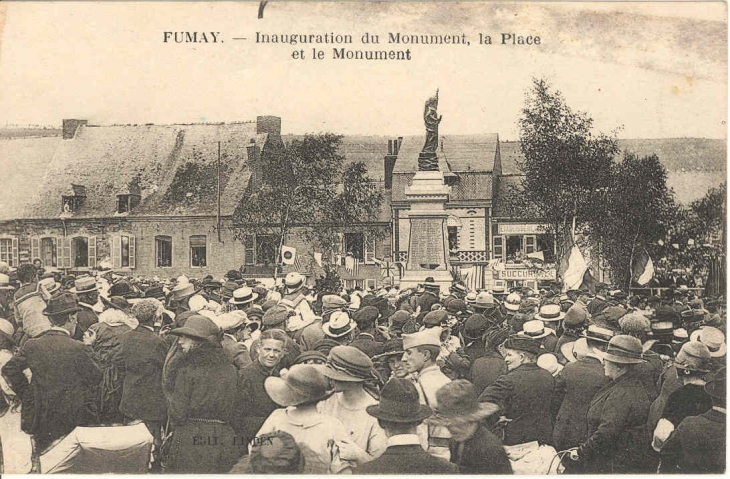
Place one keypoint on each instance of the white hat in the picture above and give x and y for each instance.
(197, 302)
(243, 296)
(293, 280)
(550, 312)
(182, 279)
(549, 363)
(484, 299)
(512, 302)
(427, 337)
(711, 337)
(230, 320)
(339, 325)
(7, 327)
(534, 329)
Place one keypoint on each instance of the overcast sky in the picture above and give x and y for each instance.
(657, 70)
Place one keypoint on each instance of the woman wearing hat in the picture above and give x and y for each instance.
(693, 365)
(389, 363)
(350, 369)
(318, 435)
(618, 441)
(201, 405)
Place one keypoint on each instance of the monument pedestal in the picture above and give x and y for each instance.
(427, 249)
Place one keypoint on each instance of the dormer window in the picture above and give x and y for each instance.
(128, 198)
(73, 199)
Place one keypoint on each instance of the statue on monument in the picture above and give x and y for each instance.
(427, 160)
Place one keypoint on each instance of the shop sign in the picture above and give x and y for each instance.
(521, 228)
(536, 274)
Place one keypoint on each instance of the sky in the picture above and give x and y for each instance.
(650, 70)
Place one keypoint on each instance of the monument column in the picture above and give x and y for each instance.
(428, 194)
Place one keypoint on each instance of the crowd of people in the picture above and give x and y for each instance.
(245, 377)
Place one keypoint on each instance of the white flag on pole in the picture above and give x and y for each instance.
(288, 254)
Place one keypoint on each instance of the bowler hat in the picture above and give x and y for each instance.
(243, 296)
(64, 303)
(522, 343)
(348, 364)
(303, 384)
(199, 327)
(84, 284)
(458, 402)
(550, 312)
(624, 349)
(399, 403)
(339, 325)
(717, 387)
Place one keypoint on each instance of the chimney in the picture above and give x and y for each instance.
(389, 161)
(268, 124)
(254, 163)
(70, 126)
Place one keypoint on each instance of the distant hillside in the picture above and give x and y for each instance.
(13, 133)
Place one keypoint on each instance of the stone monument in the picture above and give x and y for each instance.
(427, 249)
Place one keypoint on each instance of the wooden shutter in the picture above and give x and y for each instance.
(92, 252)
(249, 250)
(63, 252)
(498, 247)
(16, 258)
(35, 249)
(132, 252)
(369, 246)
(116, 251)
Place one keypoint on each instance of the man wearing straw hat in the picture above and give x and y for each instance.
(400, 413)
(473, 448)
(87, 291)
(421, 351)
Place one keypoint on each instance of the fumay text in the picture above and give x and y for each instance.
(191, 37)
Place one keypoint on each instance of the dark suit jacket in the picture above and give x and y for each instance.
(486, 369)
(85, 317)
(143, 354)
(59, 396)
(524, 395)
(483, 453)
(697, 446)
(618, 440)
(409, 459)
(575, 387)
(253, 404)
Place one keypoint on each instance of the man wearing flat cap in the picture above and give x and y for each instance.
(399, 414)
(60, 393)
(524, 394)
(421, 351)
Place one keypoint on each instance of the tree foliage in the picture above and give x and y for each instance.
(307, 188)
(566, 165)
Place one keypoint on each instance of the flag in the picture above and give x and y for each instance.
(473, 277)
(643, 269)
(288, 254)
(318, 259)
(574, 269)
(298, 266)
(537, 255)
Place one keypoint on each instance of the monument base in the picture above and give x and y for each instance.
(411, 279)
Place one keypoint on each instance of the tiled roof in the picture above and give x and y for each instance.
(462, 152)
(24, 162)
(174, 165)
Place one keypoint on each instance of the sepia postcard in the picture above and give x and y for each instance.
(132, 135)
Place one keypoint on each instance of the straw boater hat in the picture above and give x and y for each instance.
(711, 337)
(624, 349)
(550, 312)
(431, 285)
(348, 364)
(512, 302)
(50, 285)
(84, 284)
(458, 402)
(303, 384)
(243, 295)
(597, 333)
(535, 329)
(399, 403)
(293, 281)
(339, 325)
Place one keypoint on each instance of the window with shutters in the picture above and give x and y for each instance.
(529, 244)
(163, 251)
(47, 252)
(198, 254)
(498, 247)
(369, 252)
(355, 245)
(6, 251)
(249, 254)
(267, 247)
(80, 251)
(123, 251)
